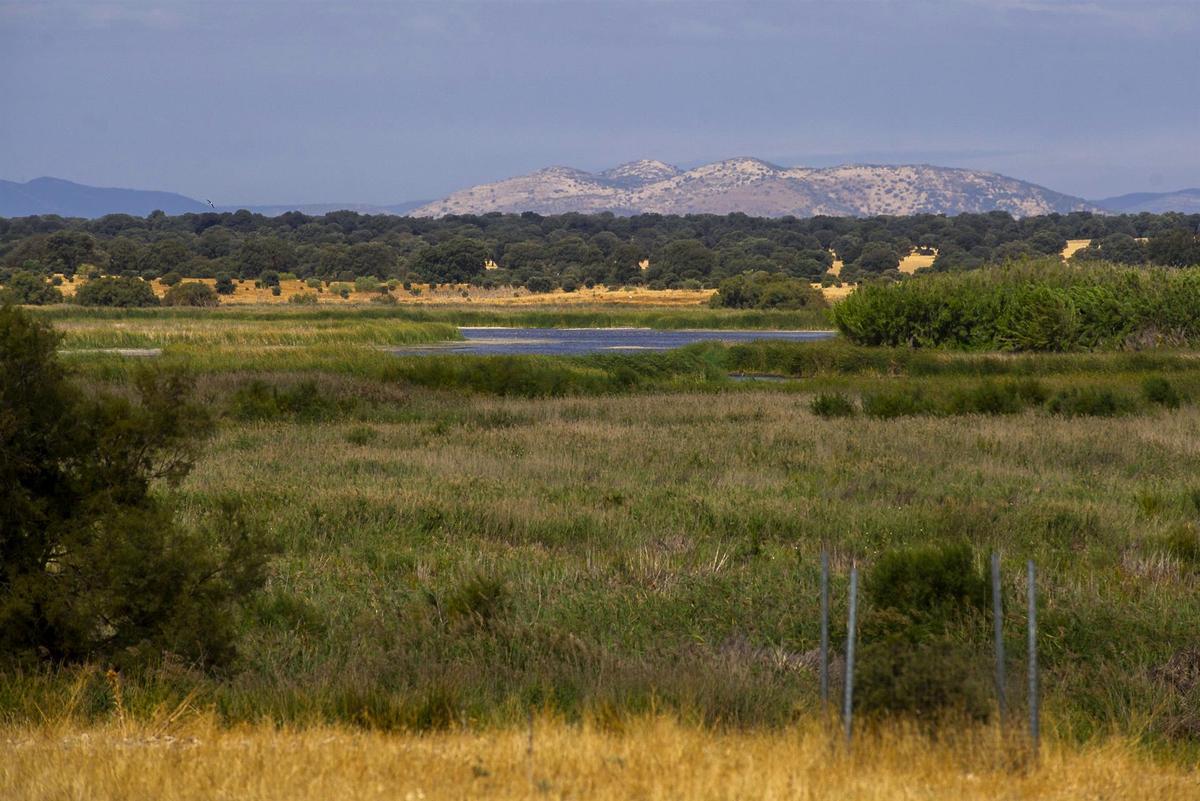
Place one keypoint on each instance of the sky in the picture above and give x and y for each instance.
(382, 102)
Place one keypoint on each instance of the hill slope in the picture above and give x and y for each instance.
(69, 199)
(758, 188)
(1184, 200)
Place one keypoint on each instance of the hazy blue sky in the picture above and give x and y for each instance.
(260, 102)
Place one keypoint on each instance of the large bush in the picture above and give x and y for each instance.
(29, 289)
(761, 290)
(92, 562)
(1037, 306)
(113, 291)
(191, 293)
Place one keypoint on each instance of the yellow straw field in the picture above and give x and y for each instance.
(646, 758)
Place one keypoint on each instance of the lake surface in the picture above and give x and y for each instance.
(576, 341)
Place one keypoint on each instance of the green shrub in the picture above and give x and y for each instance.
(303, 299)
(1088, 402)
(224, 285)
(26, 288)
(989, 397)
(927, 583)
(276, 290)
(832, 404)
(258, 400)
(1159, 390)
(191, 293)
(479, 600)
(171, 279)
(911, 662)
(1183, 543)
(761, 290)
(93, 565)
(898, 402)
(366, 283)
(361, 435)
(1038, 306)
(130, 292)
(927, 680)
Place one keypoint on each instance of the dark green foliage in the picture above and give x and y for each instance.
(109, 291)
(479, 600)
(224, 285)
(92, 564)
(361, 435)
(1157, 389)
(832, 404)
(303, 299)
(990, 397)
(1089, 402)
(25, 288)
(458, 260)
(258, 400)
(912, 662)
(191, 293)
(1183, 543)
(927, 584)
(172, 278)
(1041, 306)
(897, 402)
(1175, 247)
(924, 679)
(766, 291)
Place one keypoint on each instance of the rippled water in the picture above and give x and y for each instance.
(576, 341)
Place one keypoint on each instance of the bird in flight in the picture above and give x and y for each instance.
(209, 202)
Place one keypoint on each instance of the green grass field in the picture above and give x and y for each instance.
(462, 539)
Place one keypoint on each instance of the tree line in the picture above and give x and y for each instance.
(570, 250)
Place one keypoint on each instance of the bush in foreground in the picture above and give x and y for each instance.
(913, 664)
(92, 563)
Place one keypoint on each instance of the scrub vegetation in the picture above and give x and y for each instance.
(630, 543)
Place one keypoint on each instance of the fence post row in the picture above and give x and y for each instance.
(998, 630)
(824, 666)
(848, 701)
(1034, 722)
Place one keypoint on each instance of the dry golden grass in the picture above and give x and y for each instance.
(1074, 245)
(915, 261)
(650, 758)
(246, 293)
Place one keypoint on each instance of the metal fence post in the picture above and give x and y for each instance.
(848, 700)
(1034, 722)
(998, 630)
(824, 667)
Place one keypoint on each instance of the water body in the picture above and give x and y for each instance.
(576, 341)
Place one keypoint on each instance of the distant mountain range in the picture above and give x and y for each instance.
(758, 188)
(743, 185)
(1185, 200)
(69, 199)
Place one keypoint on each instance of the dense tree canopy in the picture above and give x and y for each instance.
(568, 249)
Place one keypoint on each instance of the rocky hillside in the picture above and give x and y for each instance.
(758, 188)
